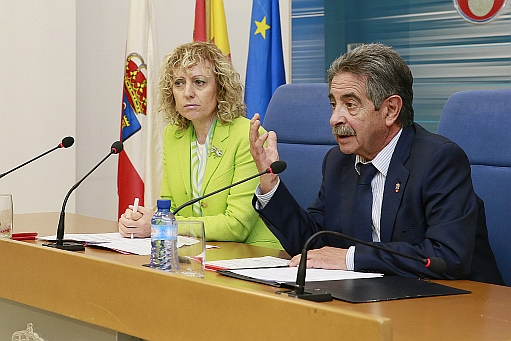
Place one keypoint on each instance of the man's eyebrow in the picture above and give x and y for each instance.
(345, 96)
(350, 95)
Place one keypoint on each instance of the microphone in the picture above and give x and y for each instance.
(65, 143)
(70, 246)
(275, 168)
(434, 264)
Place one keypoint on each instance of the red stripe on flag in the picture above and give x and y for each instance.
(129, 183)
(199, 29)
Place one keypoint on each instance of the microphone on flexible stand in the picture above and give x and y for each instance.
(65, 143)
(70, 246)
(434, 264)
(275, 168)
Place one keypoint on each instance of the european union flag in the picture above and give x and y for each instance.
(265, 66)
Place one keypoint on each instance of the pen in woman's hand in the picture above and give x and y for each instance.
(134, 210)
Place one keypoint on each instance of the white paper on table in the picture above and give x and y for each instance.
(90, 238)
(288, 274)
(247, 263)
(116, 242)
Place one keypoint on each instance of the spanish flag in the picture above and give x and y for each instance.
(210, 24)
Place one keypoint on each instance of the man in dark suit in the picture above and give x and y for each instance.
(418, 199)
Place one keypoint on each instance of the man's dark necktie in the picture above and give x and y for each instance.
(362, 221)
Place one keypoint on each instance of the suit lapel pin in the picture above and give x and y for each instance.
(216, 152)
(398, 186)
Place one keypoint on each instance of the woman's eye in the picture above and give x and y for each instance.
(199, 82)
(179, 83)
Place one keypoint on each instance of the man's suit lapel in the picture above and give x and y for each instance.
(395, 184)
(347, 204)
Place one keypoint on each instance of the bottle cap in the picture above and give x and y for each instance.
(163, 204)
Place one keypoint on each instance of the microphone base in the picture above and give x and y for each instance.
(316, 296)
(68, 246)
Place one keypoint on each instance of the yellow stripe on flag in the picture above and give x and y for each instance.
(218, 26)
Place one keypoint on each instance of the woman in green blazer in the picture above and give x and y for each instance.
(206, 147)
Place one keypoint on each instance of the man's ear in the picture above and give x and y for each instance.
(393, 104)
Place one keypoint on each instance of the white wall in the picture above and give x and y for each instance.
(37, 101)
(63, 69)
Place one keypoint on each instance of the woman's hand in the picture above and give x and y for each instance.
(136, 224)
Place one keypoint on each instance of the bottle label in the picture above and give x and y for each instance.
(163, 232)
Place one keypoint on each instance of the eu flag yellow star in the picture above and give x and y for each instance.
(262, 27)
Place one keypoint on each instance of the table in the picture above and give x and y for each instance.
(104, 289)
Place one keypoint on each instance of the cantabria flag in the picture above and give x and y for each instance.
(140, 163)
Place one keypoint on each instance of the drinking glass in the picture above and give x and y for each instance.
(191, 247)
(6, 216)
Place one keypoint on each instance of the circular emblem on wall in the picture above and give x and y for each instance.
(479, 11)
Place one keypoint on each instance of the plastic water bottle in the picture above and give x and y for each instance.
(164, 238)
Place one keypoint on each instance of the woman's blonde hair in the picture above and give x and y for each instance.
(229, 92)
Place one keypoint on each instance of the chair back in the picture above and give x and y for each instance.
(300, 115)
(480, 122)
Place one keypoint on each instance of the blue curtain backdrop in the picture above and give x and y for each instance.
(446, 53)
